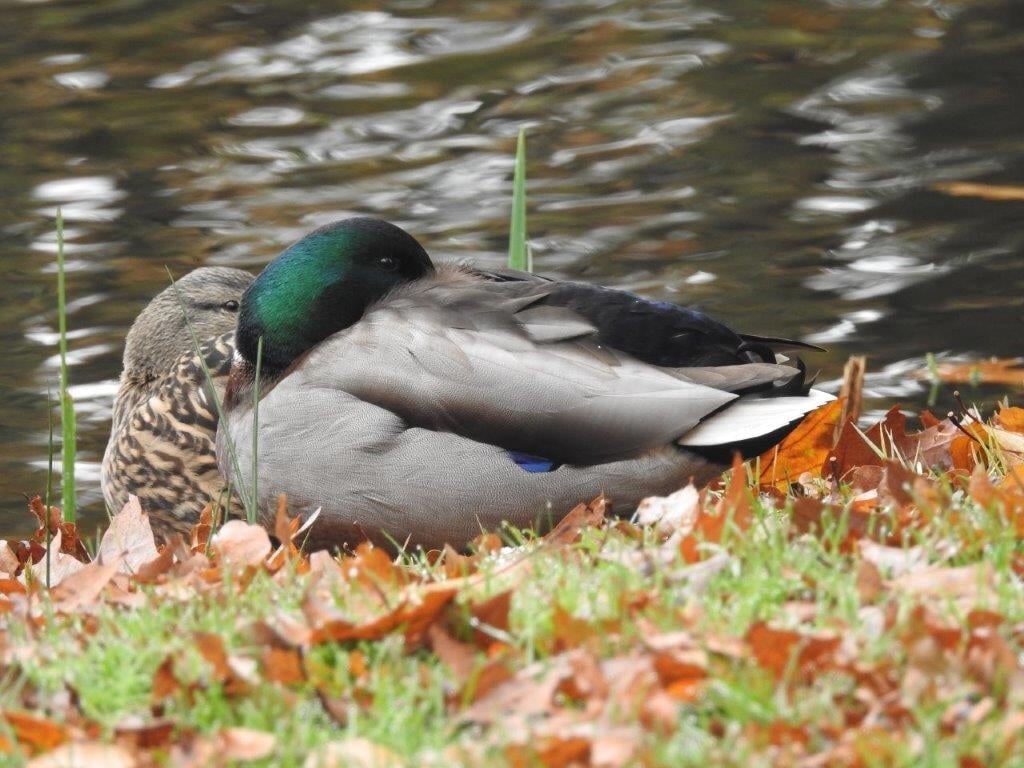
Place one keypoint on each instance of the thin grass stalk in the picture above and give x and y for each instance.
(519, 256)
(250, 514)
(250, 509)
(49, 480)
(67, 405)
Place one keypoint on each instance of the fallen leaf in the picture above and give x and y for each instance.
(55, 564)
(805, 449)
(353, 753)
(37, 733)
(490, 619)
(145, 734)
(579, 517)
(670, 514)
(869, 581)
(996, 192)
(238, 543)
(84, 586)
(992, 371)
(1011, 419)
(245, 744)
(775, 649)
(129, 538)
(972, 583)
(414, 613)
(854, 450)
(459, 657)
(550, 752)
(283, 665)
(85, 755)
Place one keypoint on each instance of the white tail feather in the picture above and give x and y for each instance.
(751, 417)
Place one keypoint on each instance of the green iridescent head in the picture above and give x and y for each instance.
(322, 284)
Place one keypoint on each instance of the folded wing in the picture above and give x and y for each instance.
(496, 363)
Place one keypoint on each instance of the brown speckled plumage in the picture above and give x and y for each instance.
(164, 451)
(164, 424)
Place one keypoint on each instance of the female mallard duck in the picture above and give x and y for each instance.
(161, 445)
(424, 404)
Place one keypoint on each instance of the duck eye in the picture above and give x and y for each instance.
(390, 263)
(230, 305)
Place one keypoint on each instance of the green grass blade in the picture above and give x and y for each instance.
(519, 256)
(67, 405)
(49, 479)
(249, 505)
(250, 514)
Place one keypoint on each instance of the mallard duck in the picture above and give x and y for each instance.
(422, 404)
(161, 445)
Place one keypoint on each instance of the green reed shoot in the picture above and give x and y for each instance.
(67, 405)
(49, 479)
(256, 428)
(519, 255)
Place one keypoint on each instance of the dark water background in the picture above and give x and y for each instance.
(772, 161)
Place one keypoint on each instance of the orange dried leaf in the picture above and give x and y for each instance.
(995, 192)
(283, 665)
(37, 733)
(805, 449)
(550, 752)
(775, 649)
(1008, 371)
(202, 530)
(414, 614)
(1011, 418)
(579, 517)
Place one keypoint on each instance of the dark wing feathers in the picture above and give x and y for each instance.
(656, 332)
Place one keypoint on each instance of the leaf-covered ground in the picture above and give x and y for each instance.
(852, 599)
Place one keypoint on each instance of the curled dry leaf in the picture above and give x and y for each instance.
(805, 449)
(414, 612)
(55, 565)
(129, 538)
(579, 517)
(240, 544)
(245, 744)
(992, 371)
(996, 192)
(86, 755)
(969, 583)
(670, 514)
(776, 649)
(354, 753)
(734, 507)
(37, 733)
(84, 586)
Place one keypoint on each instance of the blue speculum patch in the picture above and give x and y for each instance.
(532, 463)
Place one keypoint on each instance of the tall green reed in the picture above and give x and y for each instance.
(519, 255)
(67, 405)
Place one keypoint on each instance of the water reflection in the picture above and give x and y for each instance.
(772, 162)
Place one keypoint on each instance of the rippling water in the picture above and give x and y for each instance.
(774, 162)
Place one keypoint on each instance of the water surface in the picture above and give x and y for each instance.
(774, 162)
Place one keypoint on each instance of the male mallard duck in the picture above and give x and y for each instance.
(161, 445)
(424, 404)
